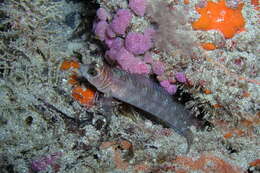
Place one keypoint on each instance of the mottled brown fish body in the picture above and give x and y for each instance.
(146, 95)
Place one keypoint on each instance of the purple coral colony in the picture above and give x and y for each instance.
(131, 50)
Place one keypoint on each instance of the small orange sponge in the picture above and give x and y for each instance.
(220, 17)
(67, 64)
(208, 46)
(84, 96)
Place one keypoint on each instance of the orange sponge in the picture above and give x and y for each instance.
(67, 64)
(84, 96)
(220, 17)
(208, 46)
(256, 4)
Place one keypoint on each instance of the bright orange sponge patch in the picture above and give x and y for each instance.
(217, 16)
(208, 46)
(84, 96)
(67, 64)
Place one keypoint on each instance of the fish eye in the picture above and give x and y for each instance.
(92, 72)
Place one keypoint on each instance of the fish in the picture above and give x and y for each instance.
(142, 93)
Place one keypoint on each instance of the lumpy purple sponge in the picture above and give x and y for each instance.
(158, 67)
(138, 6)
(171, 89)
(121, 21)
(180, 76)
(124, 51)
(138, 43)
(115, 46)
(128, 61)
(100, 30)
(102, 14)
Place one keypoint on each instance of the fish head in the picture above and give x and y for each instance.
(96, 75)
(91, 72)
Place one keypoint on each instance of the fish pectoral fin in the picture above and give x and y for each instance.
(108, 95)
(189, 137)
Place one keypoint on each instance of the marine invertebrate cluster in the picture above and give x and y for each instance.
(42, 163)
(208, 46)
(168, 86)
(120, 50)
(139, 43)
(203, 164)
(256, 4)
(118, 160)
(217, 16)
(66, 65)
(138, 6)
(131, 50)
(83, 95)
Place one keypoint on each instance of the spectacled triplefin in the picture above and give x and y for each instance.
(143, 93)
